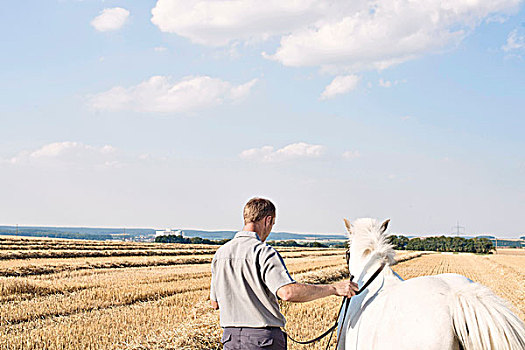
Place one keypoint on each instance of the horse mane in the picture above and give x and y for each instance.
(366, 234)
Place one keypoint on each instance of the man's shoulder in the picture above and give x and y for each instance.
(223, 248)
(265, 247)
(235, 243)
(244, 244)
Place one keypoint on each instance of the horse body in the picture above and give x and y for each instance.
(446, 311)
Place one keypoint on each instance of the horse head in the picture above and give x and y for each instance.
(368, 246)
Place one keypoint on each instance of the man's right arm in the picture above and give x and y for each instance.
(300, 292)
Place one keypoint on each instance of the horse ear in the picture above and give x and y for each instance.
(384, 226)
(348, 226)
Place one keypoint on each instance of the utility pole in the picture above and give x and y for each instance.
(457, 227)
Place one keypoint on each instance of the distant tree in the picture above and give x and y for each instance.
(172, 239)
(287, 243)
(415, 244)
(443, 244)
(339, 245)
(486, 245)
(399, 242)
(316, 245)
(54, 234)
(292, 243)
(184, 240)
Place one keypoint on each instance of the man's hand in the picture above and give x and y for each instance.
(214, 304)
(345, 288)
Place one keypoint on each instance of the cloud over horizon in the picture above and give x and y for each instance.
(351, 154)
(67, 152)
(160, 94)
(294, 151)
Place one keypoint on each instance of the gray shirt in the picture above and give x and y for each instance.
(245, 276)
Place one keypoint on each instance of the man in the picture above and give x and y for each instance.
(248, 277)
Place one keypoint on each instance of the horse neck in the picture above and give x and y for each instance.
(391, 277)
(366, 274)
(384, 280)
(359, 302)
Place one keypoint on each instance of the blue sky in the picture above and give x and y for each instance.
(175, 113)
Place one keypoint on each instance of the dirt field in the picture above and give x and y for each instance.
(510, 251)
(68, 294)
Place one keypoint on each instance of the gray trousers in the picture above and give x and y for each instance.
(241, 338)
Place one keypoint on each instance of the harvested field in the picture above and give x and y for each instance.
(505, 275)
(160, 302)
(510, 251)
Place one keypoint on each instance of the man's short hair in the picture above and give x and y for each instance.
(257, 209)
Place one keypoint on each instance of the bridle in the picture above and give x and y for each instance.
(345, 303)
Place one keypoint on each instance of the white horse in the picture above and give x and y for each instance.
(446, 311)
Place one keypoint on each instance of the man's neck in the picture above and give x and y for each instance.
(252, 227)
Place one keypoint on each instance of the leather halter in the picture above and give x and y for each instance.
(345, 303)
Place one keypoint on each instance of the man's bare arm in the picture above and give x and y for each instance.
(300, 292)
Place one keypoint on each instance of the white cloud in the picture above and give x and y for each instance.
(300, 150)
(337, 35)
(160, 49)
(340, 85)
(385, 83)
(497, 18)
(351, 154)
(161, 94)
(110, 19)
(406, 117)
(515, 41)
(218, 23)
(390, 83)
(68, 152)
(386, 34)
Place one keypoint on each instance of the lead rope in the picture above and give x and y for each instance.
(346, 301)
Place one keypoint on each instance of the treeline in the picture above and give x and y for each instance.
(192, 240)
(55, 234)
(199, 240)
(443, 244)
(292, 243)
